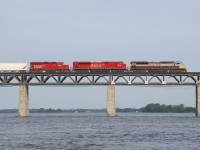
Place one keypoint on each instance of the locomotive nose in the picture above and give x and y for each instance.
(183, 67)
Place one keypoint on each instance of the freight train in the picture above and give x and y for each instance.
(87, 66)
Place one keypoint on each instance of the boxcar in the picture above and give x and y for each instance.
(87, 65)
(13, 67)
(48, 66)
(158, 66)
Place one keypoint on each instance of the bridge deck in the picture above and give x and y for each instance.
(100, 78)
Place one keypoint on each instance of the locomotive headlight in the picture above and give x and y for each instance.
(183, 67)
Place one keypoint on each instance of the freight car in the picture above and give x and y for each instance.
(48, 67)
(98, 66)
(162, 66)
(13, 67)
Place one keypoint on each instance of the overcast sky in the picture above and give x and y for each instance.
(100, 30)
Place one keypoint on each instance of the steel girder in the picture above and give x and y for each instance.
(99, 79)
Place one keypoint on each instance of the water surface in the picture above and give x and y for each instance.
(94, 131)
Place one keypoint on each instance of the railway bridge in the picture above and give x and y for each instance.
(106, 78)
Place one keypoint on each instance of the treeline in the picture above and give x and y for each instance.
(8, 111)
(167, 108)
(50, 110)
(148, 108)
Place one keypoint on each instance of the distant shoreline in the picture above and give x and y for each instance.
(50, 110)
(150, 108)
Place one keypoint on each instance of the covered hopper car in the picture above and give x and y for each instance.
(13, 67)
(169, 66)
(87, 65)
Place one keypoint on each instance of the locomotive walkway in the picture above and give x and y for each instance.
(106, 78)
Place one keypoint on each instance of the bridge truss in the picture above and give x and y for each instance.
(124, 78)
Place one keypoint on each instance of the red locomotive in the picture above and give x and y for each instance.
(48, 66)
(158, 66)
(87, 65)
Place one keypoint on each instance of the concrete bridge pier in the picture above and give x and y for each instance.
(23, 106)
(198, 100)
(110, 104)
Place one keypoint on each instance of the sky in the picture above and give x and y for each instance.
(99, 30)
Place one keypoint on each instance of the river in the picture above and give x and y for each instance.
(94, 131)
